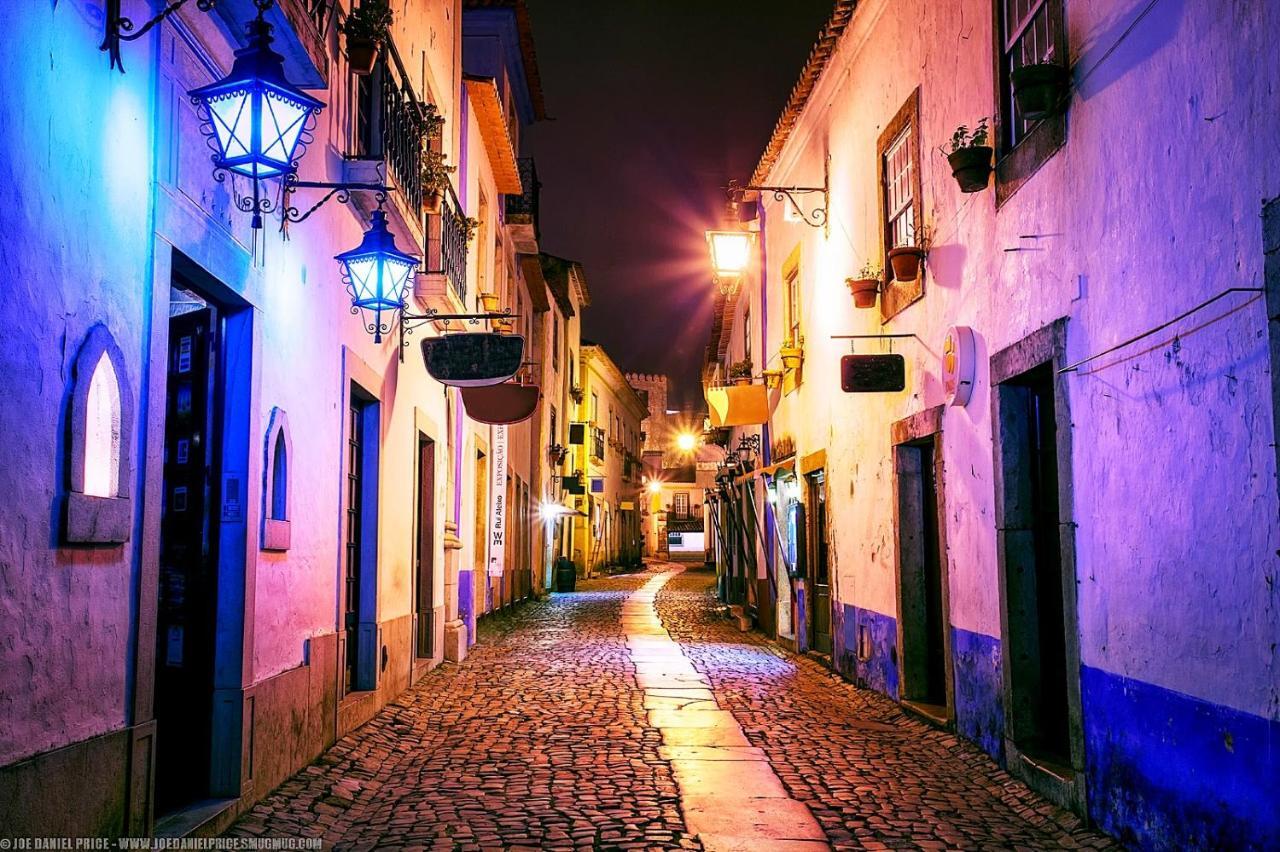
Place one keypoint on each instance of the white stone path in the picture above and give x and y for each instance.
(729, 793)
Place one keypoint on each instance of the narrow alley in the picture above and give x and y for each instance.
(545, 738)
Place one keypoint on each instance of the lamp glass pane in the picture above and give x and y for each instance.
(232, 117)
(730, 252)
(283, 120)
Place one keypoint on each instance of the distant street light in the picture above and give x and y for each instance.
(686, 442)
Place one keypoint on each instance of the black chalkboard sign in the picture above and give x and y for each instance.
(473, 359)
(873, 373)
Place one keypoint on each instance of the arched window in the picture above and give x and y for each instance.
(102, 432)
(100, 415)
(276, 533)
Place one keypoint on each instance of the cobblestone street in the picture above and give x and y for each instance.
(542, 739)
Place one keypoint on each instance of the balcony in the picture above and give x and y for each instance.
(387, 145)
(522, 210)
(443, 285)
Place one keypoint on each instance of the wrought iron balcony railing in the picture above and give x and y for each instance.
(522, 209)
(390, 125)
(447, 245)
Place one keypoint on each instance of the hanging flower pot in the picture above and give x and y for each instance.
(489, 303)
(864, 291)
(432, 201)
(362, 55)
(905, 261)
(971, 167)
(791, 357)
(1040, 90)
(503, 326)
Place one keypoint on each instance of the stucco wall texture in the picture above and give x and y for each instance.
(1151, 207)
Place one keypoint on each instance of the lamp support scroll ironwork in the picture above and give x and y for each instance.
(118, 28)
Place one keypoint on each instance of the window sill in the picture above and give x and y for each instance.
(1016, 166)
(98, 520)
(275, 534)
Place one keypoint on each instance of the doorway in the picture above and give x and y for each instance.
(1033, 569)
(360, 554)
(424, 564)
(819, 574)
(187, 592)
(924, 621)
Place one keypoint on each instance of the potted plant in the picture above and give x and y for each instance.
(468, 225)
(489, 303)
(792, 354)
(366, 29)
(435, 178)
(1040, 89)
(970, 157)
(905, 260)
(740, 372)
(866, 284)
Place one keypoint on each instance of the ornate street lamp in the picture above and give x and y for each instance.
(256, 120)
(730, 252)
(377, 275)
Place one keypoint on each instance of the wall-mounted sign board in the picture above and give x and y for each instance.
(959, 361)
(873, 373)
(473, 359)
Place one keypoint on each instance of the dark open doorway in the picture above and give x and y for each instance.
(818, 577)
(424, 565)
(187, 591)
(1043, 735)
(924, 623)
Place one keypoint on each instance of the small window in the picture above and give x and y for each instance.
(279, 481)
(793, 306)
(98, 507)
(276, 534)
(102, 432)
(901, 204)
(1027, 32)
(681, 504)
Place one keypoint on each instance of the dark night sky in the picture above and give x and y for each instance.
(655, 105)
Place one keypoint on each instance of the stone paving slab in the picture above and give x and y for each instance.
(673, 753)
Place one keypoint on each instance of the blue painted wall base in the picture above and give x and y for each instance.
(1166, 770)
(979, 700)
(880, 670)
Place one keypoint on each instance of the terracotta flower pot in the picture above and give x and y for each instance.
(742, 380)
(791, 357)
(971, 167)
(864, 291)
(362, 55)
(1040, 90)
(489, 302)
(432, 203)
(905, 261)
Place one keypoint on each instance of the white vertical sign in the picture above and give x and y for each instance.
(498, 502)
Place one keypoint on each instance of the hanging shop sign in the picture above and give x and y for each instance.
(498, 503)
(509, 402)
(873, 373)
(959, 362)
(473, 359)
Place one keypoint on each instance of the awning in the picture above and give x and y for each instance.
(483, 94)
(738, 405)
(788, 466)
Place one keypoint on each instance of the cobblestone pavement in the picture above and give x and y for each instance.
(872, 776)
(541, 740)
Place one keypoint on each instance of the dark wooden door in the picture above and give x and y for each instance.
(424, 570)
(819, 579)
(187, 572)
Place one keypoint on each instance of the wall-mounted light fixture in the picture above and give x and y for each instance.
(119, 29)
(748, 449)
(377, 275)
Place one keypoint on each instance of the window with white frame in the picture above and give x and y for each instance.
(899, 194)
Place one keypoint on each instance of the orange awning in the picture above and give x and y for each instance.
(483, 94)
(738, 405)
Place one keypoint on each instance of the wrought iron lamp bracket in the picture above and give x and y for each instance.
(117, 28)
(817, 218)
(409, 320)
(341, 191)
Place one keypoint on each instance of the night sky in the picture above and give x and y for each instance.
(654, 105)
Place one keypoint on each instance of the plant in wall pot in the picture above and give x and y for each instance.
(366, 29)
(1040, 90)
(970, 157)
(435, 178)
(792, 354)
(905, 260)
(489, 303)
(865, 285)
(740, 372)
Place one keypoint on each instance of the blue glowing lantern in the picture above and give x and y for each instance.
(378, 274)
(257, 116)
